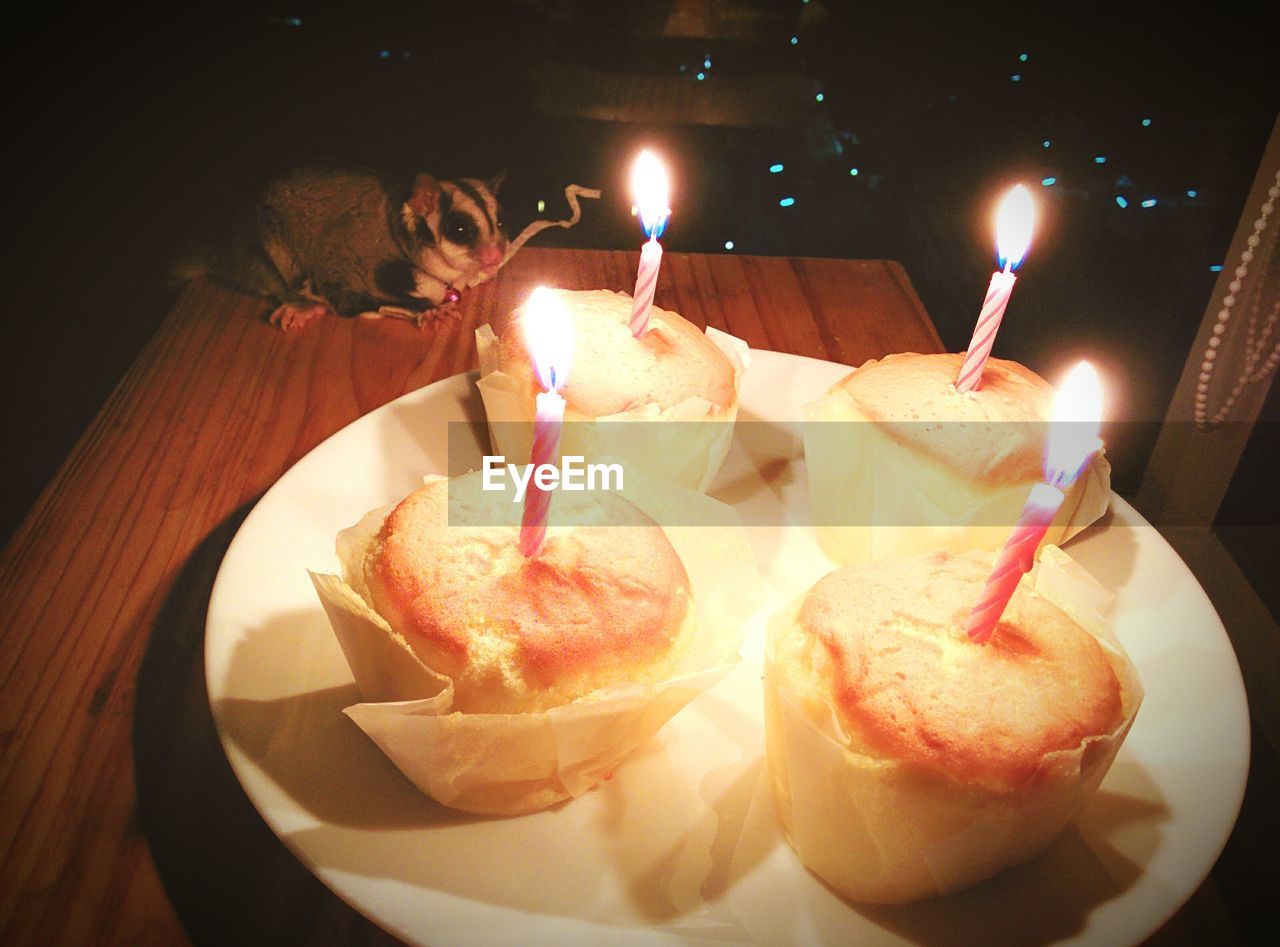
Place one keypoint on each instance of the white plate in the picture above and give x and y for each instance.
(682, 843)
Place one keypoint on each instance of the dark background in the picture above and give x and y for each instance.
(134, 132)
(130, 133)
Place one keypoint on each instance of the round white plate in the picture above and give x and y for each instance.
(682, 843)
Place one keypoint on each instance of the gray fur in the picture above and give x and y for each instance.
(357, 243)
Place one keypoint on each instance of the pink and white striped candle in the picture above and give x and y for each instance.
(549, 337)
(1014, 221)
(1073, 436)
(1016, 558)
(650, 188)
(547, 424)
(646, 286)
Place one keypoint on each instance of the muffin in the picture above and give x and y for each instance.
(675, 373)
(596, 607)
(503, 684)
(935, 468)
(908, 761)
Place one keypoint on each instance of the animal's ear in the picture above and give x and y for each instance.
(425, 196)
(495, 182)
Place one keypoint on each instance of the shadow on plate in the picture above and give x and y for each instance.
(1051, 897)
(762, 458)
(228, 877)
(307, 746)
(688, 874)
(1107, 548)
(650, 847)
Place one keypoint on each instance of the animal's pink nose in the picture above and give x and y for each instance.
(491, 254)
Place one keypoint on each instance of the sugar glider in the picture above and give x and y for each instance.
(355, 242)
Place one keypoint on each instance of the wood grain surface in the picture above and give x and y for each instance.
(120, 819)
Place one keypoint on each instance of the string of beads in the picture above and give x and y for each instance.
(1254, 368)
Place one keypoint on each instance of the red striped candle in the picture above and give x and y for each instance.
(549, 338)
(984, 333)
(646, 286)
(548, 421)
(1016, 558)
(1014, 221)
(1073, 436)
(650, 188)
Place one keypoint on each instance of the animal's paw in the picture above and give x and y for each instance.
(294, 315)
(449, 309)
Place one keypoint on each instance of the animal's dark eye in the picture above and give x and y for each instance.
(461, 229)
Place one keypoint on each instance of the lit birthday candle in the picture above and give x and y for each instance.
(1073, 436)
(549, 338)
(1014, 221)
(650, 188)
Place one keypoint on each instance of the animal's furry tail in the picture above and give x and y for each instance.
(236, 264)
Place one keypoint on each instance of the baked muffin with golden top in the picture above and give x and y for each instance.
(503, 684)
(597, 606)
(899, 462)
(672, 394)
(908, 760)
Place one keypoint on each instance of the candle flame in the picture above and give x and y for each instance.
(1073, 432)
(1014, 220)
(650, 189)
(548, 335)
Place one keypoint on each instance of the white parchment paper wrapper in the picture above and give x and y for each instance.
(509, 764)
(681, 452)
(874, 497)
(887, 832)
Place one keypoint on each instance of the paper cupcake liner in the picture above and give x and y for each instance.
(683, 452)
(874, 498)
(510, 764)
(883, 831)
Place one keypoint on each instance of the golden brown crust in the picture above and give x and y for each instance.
(908, 685)
(612, 370)
(599, 605)
(996, 433)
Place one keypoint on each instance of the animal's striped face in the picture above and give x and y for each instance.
(469, 231)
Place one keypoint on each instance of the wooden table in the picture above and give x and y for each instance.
(120, 818)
